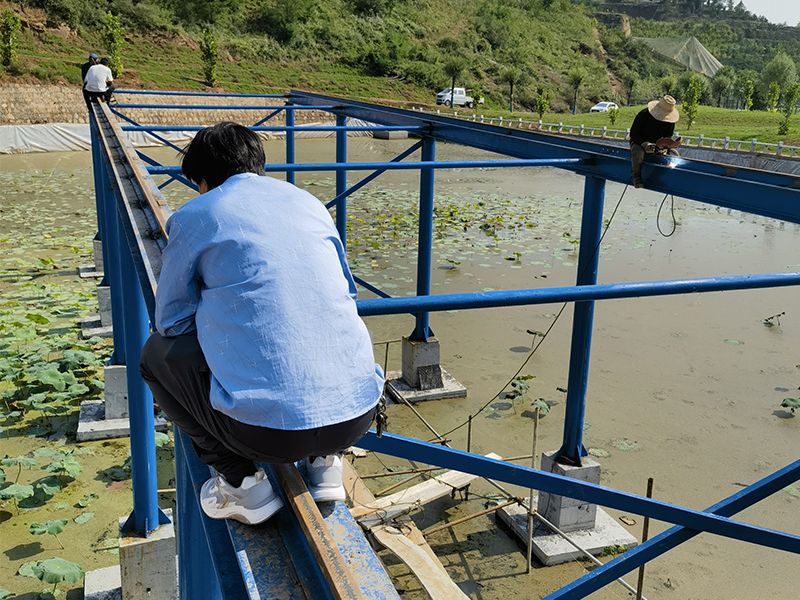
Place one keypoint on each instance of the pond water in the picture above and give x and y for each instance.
(684, 389)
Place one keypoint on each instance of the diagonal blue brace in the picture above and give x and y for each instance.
(175, 175)
(160, 138)
(497, 470)
(268, 117)
(362, 182)
(658, 545)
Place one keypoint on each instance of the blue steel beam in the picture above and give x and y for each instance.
(174, 175)
(658, 545)
(267, 118)
(608, 291)
(289, 121)
(401, 166)
(505, 472)
(362, 182)
(215, 106)
(572, 448)
(258, 127)
(200, 94)
(160, 138)
(368, 286)
(769, 194)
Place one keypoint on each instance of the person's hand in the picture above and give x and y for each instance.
(649, 147)
(666, 142)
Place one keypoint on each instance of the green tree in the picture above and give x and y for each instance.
(781, 70)
(613, 113)
(281, 18)
(691, 100)
(210, 55)
(513, 77)
(720, 86)
(575, 77)
(668, 85)
(114, 38)
(790, 97)
(773, 96)
(454, 68)
(9, 27)
(541, 103)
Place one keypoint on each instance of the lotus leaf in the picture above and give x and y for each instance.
(30, 569)
(73, 359)
(67, 465)
(53, 527)
(162, 439)
(51, 376)
(78, 389)
(540, 404)
(792, 404)
(48, 486)
(37, 318)
(2, 477)
(57, 570)
(86, 500)
(84, 517)
(22, 461)
(5, 594)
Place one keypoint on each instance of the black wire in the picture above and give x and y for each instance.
(672, 212)
(549, 329)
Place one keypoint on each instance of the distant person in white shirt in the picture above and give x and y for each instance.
(98, 81)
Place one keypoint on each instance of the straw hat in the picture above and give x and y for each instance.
(664, 109)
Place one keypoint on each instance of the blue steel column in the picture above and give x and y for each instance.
(113, 275)
(98, 188)
(341, 179)
(425, 242)
(146, 515)
(572, 448)
(289, 141)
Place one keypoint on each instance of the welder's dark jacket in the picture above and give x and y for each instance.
(646, 128)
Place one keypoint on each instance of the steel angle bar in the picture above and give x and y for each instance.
(201, 94)
(401, 166)
(175, 175)
(256, 127)
(361, 183)
(608, 291)
(498, 470)
(662, 543)
(135, 127)
(217, 106)
(371, 288)
(161, 186)
(268, 117)
(769, 194)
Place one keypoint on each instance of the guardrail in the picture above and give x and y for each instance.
(608, 133)
(128, 202)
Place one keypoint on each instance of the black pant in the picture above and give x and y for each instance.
(177, 373)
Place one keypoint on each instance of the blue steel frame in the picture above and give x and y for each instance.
(768, 194)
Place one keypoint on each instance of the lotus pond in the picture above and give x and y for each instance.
(685, 389)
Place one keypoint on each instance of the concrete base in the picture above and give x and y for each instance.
(565, 513)
(97, 248)
(148, 569)
(93, 425)
(89, 271)
(398, 390)
(101, 332)
(103, 584)
(115, 391)
(104, 304)
(390, 135)
(420, 364)
(551, 549)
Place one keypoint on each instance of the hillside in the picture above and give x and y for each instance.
(399, 49)
(369, 48)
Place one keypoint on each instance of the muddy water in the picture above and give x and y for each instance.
(685, 389)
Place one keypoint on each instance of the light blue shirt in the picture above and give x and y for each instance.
(257, 266)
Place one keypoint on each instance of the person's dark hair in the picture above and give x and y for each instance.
(221, 151)
(104, 61)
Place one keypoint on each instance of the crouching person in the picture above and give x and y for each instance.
(259, 353)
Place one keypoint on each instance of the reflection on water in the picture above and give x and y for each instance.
(670, 396)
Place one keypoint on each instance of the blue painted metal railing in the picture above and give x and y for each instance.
(768, 194)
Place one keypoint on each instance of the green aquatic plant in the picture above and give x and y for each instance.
(53, 570)
(53, 528)
(16, 492)
(792, 404)
(19, 462)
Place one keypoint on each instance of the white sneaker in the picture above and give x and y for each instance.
(325, 478)
(251, 503)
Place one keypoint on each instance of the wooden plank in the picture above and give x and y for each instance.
(342, 582)
(387, 508)
(415, 552)
(421, 560)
